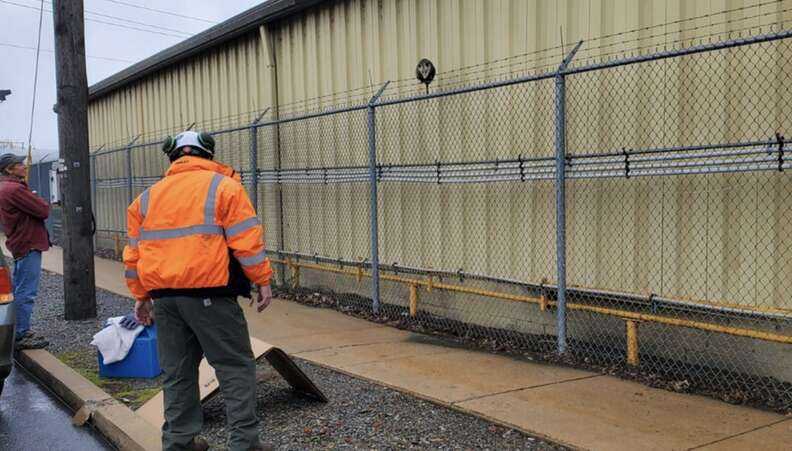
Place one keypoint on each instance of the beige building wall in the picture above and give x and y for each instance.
(223, 87)
(708, 238)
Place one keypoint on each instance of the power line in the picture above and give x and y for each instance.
(185, 34)
(181, 36)
(35, 81)
(24, 47)
(169, 13)
(134, 22)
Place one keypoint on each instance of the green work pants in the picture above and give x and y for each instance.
(187, 329)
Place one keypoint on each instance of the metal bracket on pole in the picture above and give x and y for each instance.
(377, 96)
(560, 182)
(254, 158)
(261, 116)
(372, 148)
(565, 63)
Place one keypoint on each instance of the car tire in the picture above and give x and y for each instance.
(2, 383)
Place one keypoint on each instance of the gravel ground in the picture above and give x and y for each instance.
(109, 254)
(70, 342)
(361, 415)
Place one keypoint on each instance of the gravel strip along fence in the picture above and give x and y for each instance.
(359, 415)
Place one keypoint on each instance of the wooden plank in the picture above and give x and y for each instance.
(153, 411)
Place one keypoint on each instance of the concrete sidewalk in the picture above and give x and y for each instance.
(577, 408)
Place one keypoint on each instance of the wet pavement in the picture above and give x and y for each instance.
(32, 419)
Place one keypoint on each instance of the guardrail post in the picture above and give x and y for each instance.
(372, 153)
(633, 358)
(560, 185)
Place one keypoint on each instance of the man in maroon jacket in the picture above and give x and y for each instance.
(22, 216)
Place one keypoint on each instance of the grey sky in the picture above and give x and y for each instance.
(18, 26)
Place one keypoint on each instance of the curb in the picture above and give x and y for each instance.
(117, 422)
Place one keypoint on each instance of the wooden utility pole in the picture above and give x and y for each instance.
(75, 184)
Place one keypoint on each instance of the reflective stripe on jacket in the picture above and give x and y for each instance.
(180, 231)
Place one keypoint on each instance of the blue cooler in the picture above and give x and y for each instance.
(142, 360)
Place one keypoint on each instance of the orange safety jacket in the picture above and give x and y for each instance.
(180, 231)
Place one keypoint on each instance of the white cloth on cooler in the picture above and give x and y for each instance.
(115, 341)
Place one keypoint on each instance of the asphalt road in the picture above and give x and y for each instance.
(32, 419)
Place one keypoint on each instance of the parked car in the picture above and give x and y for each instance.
(7, 322)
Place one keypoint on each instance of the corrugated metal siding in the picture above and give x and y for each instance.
(217, 89)
(214, 91)
(342, 51)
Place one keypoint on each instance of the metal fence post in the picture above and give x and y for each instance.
(38, 179)
(254, 159)
(373, 213)
(130, 192)
(560, 185)
(277, 194)
(129, 175)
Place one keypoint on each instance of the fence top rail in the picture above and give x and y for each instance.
(99, 153)
(468, 89)
(302, 117)
(231, 130)
(147, 144)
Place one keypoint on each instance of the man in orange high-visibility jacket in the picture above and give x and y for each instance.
(195, 244)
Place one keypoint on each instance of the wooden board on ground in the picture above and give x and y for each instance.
(153, 410)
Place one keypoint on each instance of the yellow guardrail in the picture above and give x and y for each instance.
(543, 302)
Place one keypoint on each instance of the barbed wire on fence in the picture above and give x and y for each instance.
(506, 66)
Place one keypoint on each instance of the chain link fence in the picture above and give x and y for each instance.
(632, 215)
(678, 204)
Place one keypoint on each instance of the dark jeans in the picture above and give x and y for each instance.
(187, 329)
(27, 273)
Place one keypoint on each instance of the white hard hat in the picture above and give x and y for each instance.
(202, 141)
